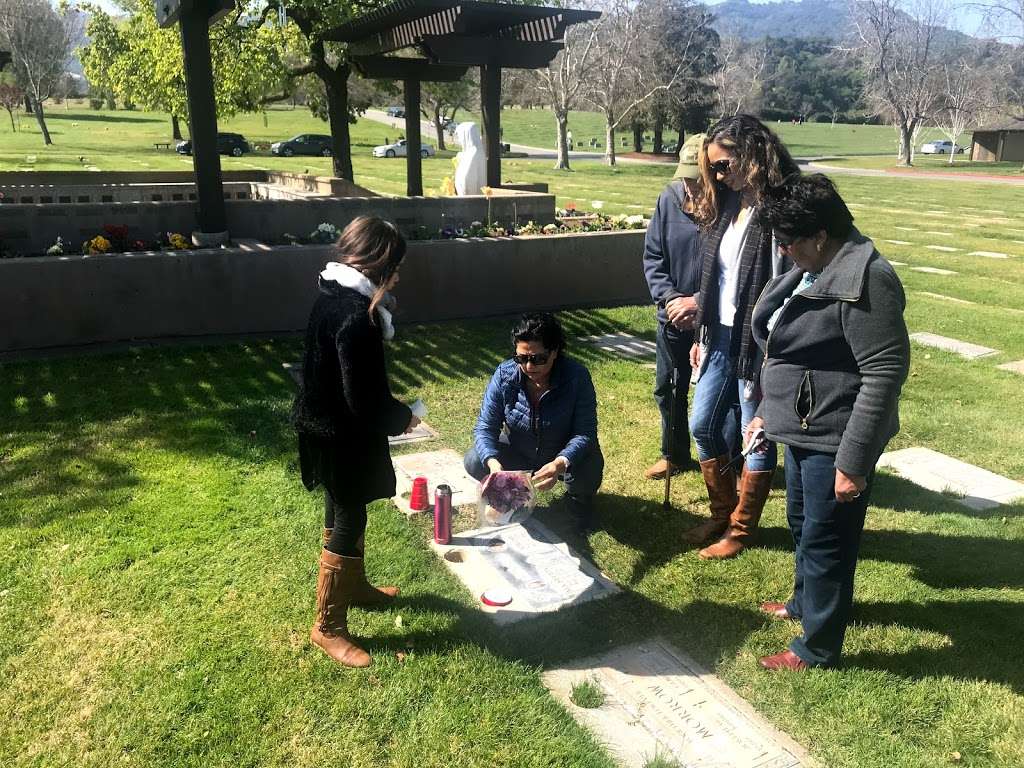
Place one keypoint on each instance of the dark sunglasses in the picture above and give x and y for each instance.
(538, 358)
(785, 241)
(721, 166)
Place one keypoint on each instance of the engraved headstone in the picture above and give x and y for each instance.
(442, 467)
(622, 344)
(529, 562)
(963, 348)
(659, 702)
(972, 486)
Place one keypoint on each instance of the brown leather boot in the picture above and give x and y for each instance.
(365, 594)
(659, 469)
(722, 494)
(334, 587)
(754, 488)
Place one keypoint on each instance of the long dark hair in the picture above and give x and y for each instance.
(376, 248)
(763, 160)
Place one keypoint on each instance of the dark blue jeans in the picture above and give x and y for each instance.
(826, 534)
(582, 480)
(718, 394)
(673, 353)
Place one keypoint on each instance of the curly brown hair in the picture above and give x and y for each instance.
(763, 159)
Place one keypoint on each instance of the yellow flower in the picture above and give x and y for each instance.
(448, 186)
(487, 191)
(98, 244)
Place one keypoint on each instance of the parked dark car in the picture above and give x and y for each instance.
(233, 144)
(303, 144)
(395, 112)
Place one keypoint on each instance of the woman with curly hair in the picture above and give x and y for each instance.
(742, 160)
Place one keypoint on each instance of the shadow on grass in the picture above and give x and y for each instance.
(104, 117)
(984, 640)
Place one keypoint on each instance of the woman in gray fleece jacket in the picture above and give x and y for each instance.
(836, 354)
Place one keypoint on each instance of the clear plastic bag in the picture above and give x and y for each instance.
(504, 498)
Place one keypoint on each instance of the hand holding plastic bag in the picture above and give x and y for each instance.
(505, 497)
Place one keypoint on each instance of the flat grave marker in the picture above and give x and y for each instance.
(659, 702)
(897, 242)
(1017, 366)
(943, 248)
(990, 254)
(540, 572)
(622, 344)
(963, 348)
(897, 263)
(943, 297)
(907, 229)
(940, 234)
(933, 270)
(442, 467)
(974, 487)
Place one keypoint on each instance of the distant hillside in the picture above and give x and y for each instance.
(809, 18)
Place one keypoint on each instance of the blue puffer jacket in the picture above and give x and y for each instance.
(564, 424)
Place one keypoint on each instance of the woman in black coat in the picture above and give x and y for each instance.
(343, 414)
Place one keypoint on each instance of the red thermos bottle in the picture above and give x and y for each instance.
(443, 514)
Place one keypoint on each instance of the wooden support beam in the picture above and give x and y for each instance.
(395, 68)
(514, 54)
(202, 108)
(490, 108)
(413, 161)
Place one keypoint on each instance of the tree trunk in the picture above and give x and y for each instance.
(11, 113)
(28, 104)
(562, 142)
(438, 130)
(659, 139)
(609, 141)
(337, 115)
(42, 124)
(175, 128)
(638, 137)
(906, 145)
(681, 130)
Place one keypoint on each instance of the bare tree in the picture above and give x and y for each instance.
(561, 82)
(39, 39)
(965, 97)
(624, 73)
(11, 97)
(897, 47)
(740, 78)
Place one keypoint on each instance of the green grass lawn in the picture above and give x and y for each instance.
(158, 553)
(929, 163)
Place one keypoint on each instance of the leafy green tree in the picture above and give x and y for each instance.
(806, 77)
(441, 101)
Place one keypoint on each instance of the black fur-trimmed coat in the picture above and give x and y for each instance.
(344, 410)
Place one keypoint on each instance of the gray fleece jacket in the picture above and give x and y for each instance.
(836, 358)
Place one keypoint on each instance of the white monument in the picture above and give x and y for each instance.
(471, 167)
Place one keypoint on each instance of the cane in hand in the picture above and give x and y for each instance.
(674, 379)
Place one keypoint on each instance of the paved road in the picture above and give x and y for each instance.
(812, 164)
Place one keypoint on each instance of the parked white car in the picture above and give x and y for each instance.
(940, 148)
(398, 149)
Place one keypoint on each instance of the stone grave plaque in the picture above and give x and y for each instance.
(906, 229)
(442, 467)
(933, 270)
(897, 263)
(943, 248)
(962, 348)
(295, 371)
(990, 254)
(540, 571)
(972, 486)
(659, 702)
(622, 344)
(943, 297)
(1017, 366)
(897, 242)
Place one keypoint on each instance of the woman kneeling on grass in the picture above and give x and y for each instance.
(343, 414)
(539, 413)
(836, 356)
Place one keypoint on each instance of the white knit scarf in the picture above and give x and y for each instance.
(350, 277)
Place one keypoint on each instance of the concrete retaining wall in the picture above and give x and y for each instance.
(67, 301)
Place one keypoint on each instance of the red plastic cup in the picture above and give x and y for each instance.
(418, 499)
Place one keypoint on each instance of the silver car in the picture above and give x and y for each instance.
(398, 149)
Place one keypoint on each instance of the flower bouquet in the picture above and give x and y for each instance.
(505, 497)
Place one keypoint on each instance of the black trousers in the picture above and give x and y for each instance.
(348, 524)
(673, 353)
